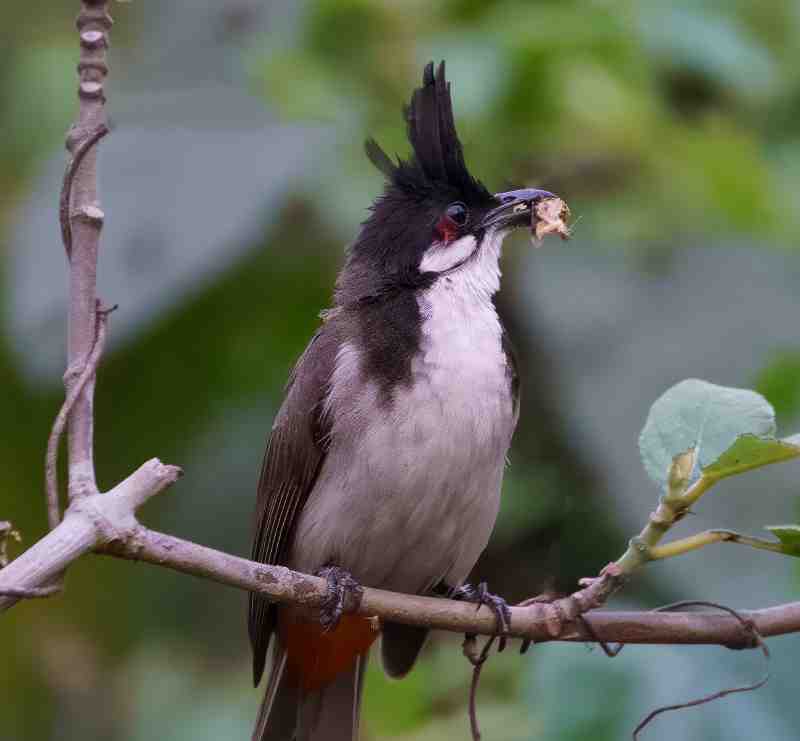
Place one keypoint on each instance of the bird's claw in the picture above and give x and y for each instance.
(344, 595)
(481, 595)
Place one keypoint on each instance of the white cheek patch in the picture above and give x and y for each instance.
(440, 256)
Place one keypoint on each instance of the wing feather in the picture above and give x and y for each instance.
(295, 452)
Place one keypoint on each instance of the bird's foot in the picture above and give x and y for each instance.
(481, 595)
(344, 595)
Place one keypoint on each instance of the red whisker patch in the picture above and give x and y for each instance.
(446, 229)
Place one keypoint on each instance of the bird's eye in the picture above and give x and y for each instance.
(457, 213)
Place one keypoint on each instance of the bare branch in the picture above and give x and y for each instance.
(88, 523)
(533, 622)
(83, 241)
(7, 533)
(106, 523)
(51, 458)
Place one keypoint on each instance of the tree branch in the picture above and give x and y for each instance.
(82, 237)
(88, 523)
(106, 523)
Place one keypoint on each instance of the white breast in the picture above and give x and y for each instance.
(462, 364)
(410, 497)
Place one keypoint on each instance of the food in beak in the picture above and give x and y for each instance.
(549, 216)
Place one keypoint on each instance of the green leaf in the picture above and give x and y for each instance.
(698, 415)
(749, 452)
(789, 536)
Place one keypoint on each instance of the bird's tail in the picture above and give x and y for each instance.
(296, 708)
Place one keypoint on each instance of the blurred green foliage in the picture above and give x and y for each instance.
(664, 122)
(778, 382)
(674, 118)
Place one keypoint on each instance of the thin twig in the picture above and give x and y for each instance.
(608, 649)
(477, 663)
(60, 423)
(709, 537)
(81, 151)
(558, 612)
(752, 633)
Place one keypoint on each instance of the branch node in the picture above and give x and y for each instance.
(91, 90)
(110, 529)
(82, 483)
(659, 520)
(94, 16)
(91, 214)
(93, 65)
(92, 39)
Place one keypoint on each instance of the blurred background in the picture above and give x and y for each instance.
(233, 180)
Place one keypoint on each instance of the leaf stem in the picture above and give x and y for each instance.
(672, 507)
(640, 547)
(700, 540)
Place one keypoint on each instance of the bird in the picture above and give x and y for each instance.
(385, 461)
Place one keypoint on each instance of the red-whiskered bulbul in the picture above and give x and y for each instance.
(385, 461)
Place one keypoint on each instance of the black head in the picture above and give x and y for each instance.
(431, 205)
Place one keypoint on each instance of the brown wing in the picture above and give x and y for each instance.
(295, 452)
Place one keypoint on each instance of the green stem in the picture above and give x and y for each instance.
(700, 487)
(694, 542)
(673, 505)
(639, 548)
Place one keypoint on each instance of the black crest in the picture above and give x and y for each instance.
(385, 257)
(438, 159)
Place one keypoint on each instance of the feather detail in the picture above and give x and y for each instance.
(438, 158)
(295, 452)
(315, 657)
(379, 158)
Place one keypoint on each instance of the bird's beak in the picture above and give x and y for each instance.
(515, 208)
